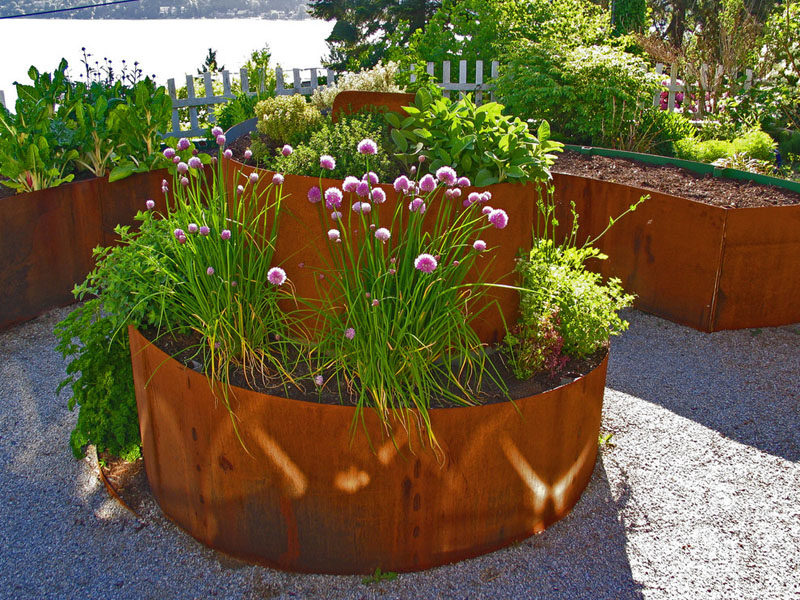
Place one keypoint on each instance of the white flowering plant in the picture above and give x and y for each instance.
(380, 78)
(403, 283)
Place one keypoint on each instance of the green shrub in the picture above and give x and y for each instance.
(707, 151)
(755, 144)
(588, 95)
(340, 140)
(284, 118)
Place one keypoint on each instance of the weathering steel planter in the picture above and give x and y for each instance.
(705, 266)
(305, 496)
(48, 236)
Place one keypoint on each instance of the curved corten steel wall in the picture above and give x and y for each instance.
(708, 267)
(305, 496)
(48, 236)
(302, 249)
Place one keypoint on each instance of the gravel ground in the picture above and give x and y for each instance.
(697, 498)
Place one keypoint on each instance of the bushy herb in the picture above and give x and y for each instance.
(480, 142)
(754, 144)
(284, 118)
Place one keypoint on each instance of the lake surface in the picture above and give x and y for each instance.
(164, 47)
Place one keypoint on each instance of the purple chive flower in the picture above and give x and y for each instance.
(350, 333)
(466, 203)
(233, 283)
(178, 233)
(498, 218)
(365, 208)
(333, 198)
(378, 196)
(210, 271)
(194, 163)
(240, 189)
(375, 302)
(326, 161)
(446, 175)
(182, 239)
(479, 245)
(183, 144)
(169, 153)
(276, 276)
(221, 140)
(392, 271)
(383, 234)
(216, 131)
(367, 146)
(287, 150)
(417, 205)
(226, 234)
(356, 207)
(318, 380)
(413, 169)
(486, 210)
(277, 179)
(474, 197)
(463, 182)
(422, 158)
(183, 167)
(336, 215)
(401, 184)
(371, 176)
(456, 263)
(176, 159)
(427, 183)
(314, 195)
(195, 152)
(253, 177)
(486, 196)
(228, 153)
(350, 184)
(455, 193)
(333, 234)
(248, 154)
(184, 181)
(192, 228)
(204, 230)
(150, 204)
(425, 263)
(362, 189)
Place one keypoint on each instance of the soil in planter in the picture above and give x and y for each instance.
(183, 349)
(673, 180)
(667, 179)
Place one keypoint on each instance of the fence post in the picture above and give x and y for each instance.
(245, 81)
(2, 99)
(462, 78)
(673, 75)
(495, 74)
(226, 85)
(748, 82)
(173, 95)
(657, 95)
(446, 77)
(209, 90)
(280, 90)
(193, 122)
(297, 81)
(478, 81)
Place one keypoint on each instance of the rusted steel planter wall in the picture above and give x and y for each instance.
(48, 236)
(308, 498)
(708, 267)
(302, 250)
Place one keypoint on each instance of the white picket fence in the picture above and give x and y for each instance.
(674, 87)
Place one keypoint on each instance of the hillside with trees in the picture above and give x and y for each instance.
(159, 9)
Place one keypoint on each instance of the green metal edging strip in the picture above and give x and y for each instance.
(690, 165)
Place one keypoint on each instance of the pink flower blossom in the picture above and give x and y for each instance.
(178, 233)
(336, 216)
(240, 189)
(464, 182)
(183, 144)
(479, 245)
(204, 230)
(486, 196)
(228, 153)
(287, 150)
(375, 302)
(226, 234)
(326, 161)
(150, 204)
(413, 169)
(314, 195)
(446, 175)
(276, 276)
(498, 218)
(378, 196)
(192, 228)
(422, 158)
(169, 153)
(184, 181)
(474, 197)
(333, 234)
(216, 131)
(221, 140)
(371, 176)
(362, 189)
(253, 177)
(367, 146)
(417, 205)
(425, 263)
(401, 184)
(350, 184)
(248, 154)
(176, 159)
(277, 179)
(350, 333)
(427, 183)
(318, 380)
(383, 234)
(210, 271)
(194, 163)
(486, 210)
(182, 239)
(333, 198)
(183, 167)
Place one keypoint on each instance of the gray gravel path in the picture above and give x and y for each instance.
(698, 498)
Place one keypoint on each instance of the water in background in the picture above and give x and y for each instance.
(164, 47)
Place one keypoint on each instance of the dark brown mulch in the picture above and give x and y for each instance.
(183, 350)
(673, 180)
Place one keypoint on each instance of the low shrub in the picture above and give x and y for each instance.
(755, 144)
(707, 151)
(284, 118)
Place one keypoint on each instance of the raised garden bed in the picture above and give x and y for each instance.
(48, 236)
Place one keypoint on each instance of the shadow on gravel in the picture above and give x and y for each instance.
(743, 384)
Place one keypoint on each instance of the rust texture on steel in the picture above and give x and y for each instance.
(302, 246)
(759, 284)
(48, 237)
(304, 496)
(350, 101)
(667, 252)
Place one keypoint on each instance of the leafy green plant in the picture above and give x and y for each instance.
(284, 118)
(692, 148)
(91, 112)
(378, 576)
(480, 142)
(755, 144)
(240, 108)
(742, 162)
